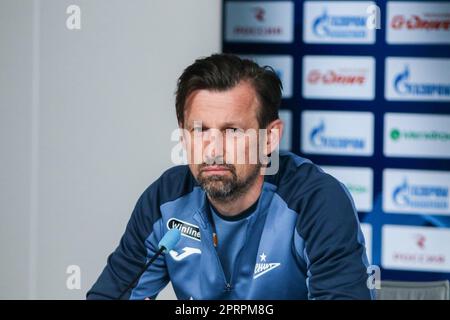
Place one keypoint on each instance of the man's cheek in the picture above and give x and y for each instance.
(237, 152)
(195, 154)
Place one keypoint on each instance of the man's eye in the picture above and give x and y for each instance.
(197, 129)
(235, 130)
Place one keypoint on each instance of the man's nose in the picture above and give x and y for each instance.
(213, 145)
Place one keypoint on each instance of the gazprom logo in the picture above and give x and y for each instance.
(420, 196)
(331, 26)
(404, 86)
(319, 139)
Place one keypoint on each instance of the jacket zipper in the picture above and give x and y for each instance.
(219, 264)
(238, 258)
(228, 284)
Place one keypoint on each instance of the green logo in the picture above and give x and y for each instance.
(395, 134)
(420, 135)
(356, 189)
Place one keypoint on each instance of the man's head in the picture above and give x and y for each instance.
(220, 101)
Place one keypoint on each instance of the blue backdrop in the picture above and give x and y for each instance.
(262, 40)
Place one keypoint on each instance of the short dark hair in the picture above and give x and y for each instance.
(223, 71)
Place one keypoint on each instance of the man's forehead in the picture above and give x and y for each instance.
(236, 104)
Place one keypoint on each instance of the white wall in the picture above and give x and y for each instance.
(85, 123)
(15, 146)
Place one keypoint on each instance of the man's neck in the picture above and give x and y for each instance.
(243, 202)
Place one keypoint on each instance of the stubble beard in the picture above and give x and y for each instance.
(225, 188)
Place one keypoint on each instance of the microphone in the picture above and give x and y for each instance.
(166, 244)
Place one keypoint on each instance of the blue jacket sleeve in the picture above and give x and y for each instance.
(334, 249)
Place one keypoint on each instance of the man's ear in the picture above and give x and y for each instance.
(274, 133)
(182, 133)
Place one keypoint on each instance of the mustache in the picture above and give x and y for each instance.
(222, 165)
(217, 161)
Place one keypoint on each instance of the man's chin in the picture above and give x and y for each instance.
(220, 195)
(218, 184)
(216, 188)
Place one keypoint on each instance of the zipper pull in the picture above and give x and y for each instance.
(215, 241)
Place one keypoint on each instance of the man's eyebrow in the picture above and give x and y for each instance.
(231, 124)
(228, 124)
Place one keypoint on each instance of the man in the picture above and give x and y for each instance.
(245, 234)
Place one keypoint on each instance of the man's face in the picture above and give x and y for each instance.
(215, 124)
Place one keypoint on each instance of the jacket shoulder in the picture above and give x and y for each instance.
(172, 184)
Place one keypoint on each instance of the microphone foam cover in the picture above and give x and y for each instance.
(170, 239)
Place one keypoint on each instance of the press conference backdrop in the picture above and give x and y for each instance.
(371, 107)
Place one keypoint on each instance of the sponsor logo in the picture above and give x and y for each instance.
(417, 258)
(416, 191)
(420, 241)
(417, 79)
(414, 22)
(425, 22)
(417, 135)
(414, 135)
(263, 267)
(404, 86)
(187, 229)
(187, 251)
(332, 26)
(337, 22)
(259, 21)
(319, 139)
(415, 248)
(338, 77)
(337, 132)
(260, 14)
(332, 77)
(420, 196)
(356, 188)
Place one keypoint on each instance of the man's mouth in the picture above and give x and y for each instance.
(215, 169)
